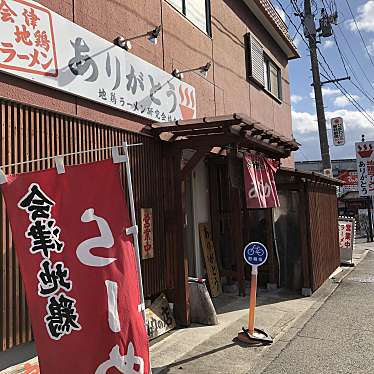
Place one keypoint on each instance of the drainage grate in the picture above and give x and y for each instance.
(362, 279)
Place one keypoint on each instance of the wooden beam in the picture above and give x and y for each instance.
(201, 125)
(198, 132)
(267, 135)
(261, 146)
(211, 141)
(192, 162)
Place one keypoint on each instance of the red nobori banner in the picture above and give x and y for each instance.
(79, 269)
(260, 189)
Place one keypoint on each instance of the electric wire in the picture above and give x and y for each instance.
(350, 98)
(346, 62)
(328, 77)
(340, 53)
(342, 89)
(353, 54)
(358, 86)
(359, 31)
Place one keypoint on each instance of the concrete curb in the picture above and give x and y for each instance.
(282, 340)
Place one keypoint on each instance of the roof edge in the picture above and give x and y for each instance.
(264, 10)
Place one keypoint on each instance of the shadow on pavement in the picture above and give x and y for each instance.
(180, 363)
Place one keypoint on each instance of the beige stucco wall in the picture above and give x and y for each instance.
(225, 90)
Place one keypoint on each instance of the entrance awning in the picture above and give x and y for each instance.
(221, 131)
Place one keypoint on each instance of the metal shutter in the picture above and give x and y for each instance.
(256, 60)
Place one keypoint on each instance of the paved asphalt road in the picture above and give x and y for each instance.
(339, 338)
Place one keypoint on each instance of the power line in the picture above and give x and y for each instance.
(353, 54)
(337, 84)
(349, 97)
(340, 53)
(362, 38)
(363, 92)
(328, 77)
(343, 90)
(345, 60)
(345, 57)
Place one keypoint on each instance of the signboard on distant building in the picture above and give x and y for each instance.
(337, 128)
(365, 168)
(349, 179)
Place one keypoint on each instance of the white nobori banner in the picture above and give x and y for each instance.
(41, 46)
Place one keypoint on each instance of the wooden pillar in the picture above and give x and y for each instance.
(305, 238)
(214, 211)
(234, 168)
(182, 299)
(272, 260)
(237, 237)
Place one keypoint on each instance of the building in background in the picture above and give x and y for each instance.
(349, 201)
(215, 85)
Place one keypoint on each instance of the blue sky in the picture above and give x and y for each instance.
(359, 65)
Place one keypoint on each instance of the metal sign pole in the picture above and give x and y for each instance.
(255, 254)
(370, 219)
(252, 300)
(134, 229)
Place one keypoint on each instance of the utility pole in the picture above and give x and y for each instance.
(311, 34)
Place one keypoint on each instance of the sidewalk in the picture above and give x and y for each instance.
(211, 349)
(338, 338)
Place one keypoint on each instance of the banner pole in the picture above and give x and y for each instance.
(3, 167)
(134, 232)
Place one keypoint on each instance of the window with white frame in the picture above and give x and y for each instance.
(197, 11)
(262, 69)
(273, 78)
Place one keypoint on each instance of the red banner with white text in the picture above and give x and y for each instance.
(79, 269)
(260, 188)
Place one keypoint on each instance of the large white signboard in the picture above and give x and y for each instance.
(39, 45)
(365, 168)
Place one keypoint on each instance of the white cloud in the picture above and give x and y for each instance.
(297, 41)
(304, 123)
(281, 14)
(365, 17)
(328, 43)
(306, 132)
(371, 47)
(342, 101)
(296, 99)
(326, 91)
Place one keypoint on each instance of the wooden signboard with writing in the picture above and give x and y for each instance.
(159, 318)
(210, 259)
(147, 233)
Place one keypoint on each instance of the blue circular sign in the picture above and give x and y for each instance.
(255, 254)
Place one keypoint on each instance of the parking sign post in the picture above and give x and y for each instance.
(255, 254)
(252, 301)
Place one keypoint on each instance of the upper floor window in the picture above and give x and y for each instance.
(262, 69)
(197, 11)
(273, 78)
